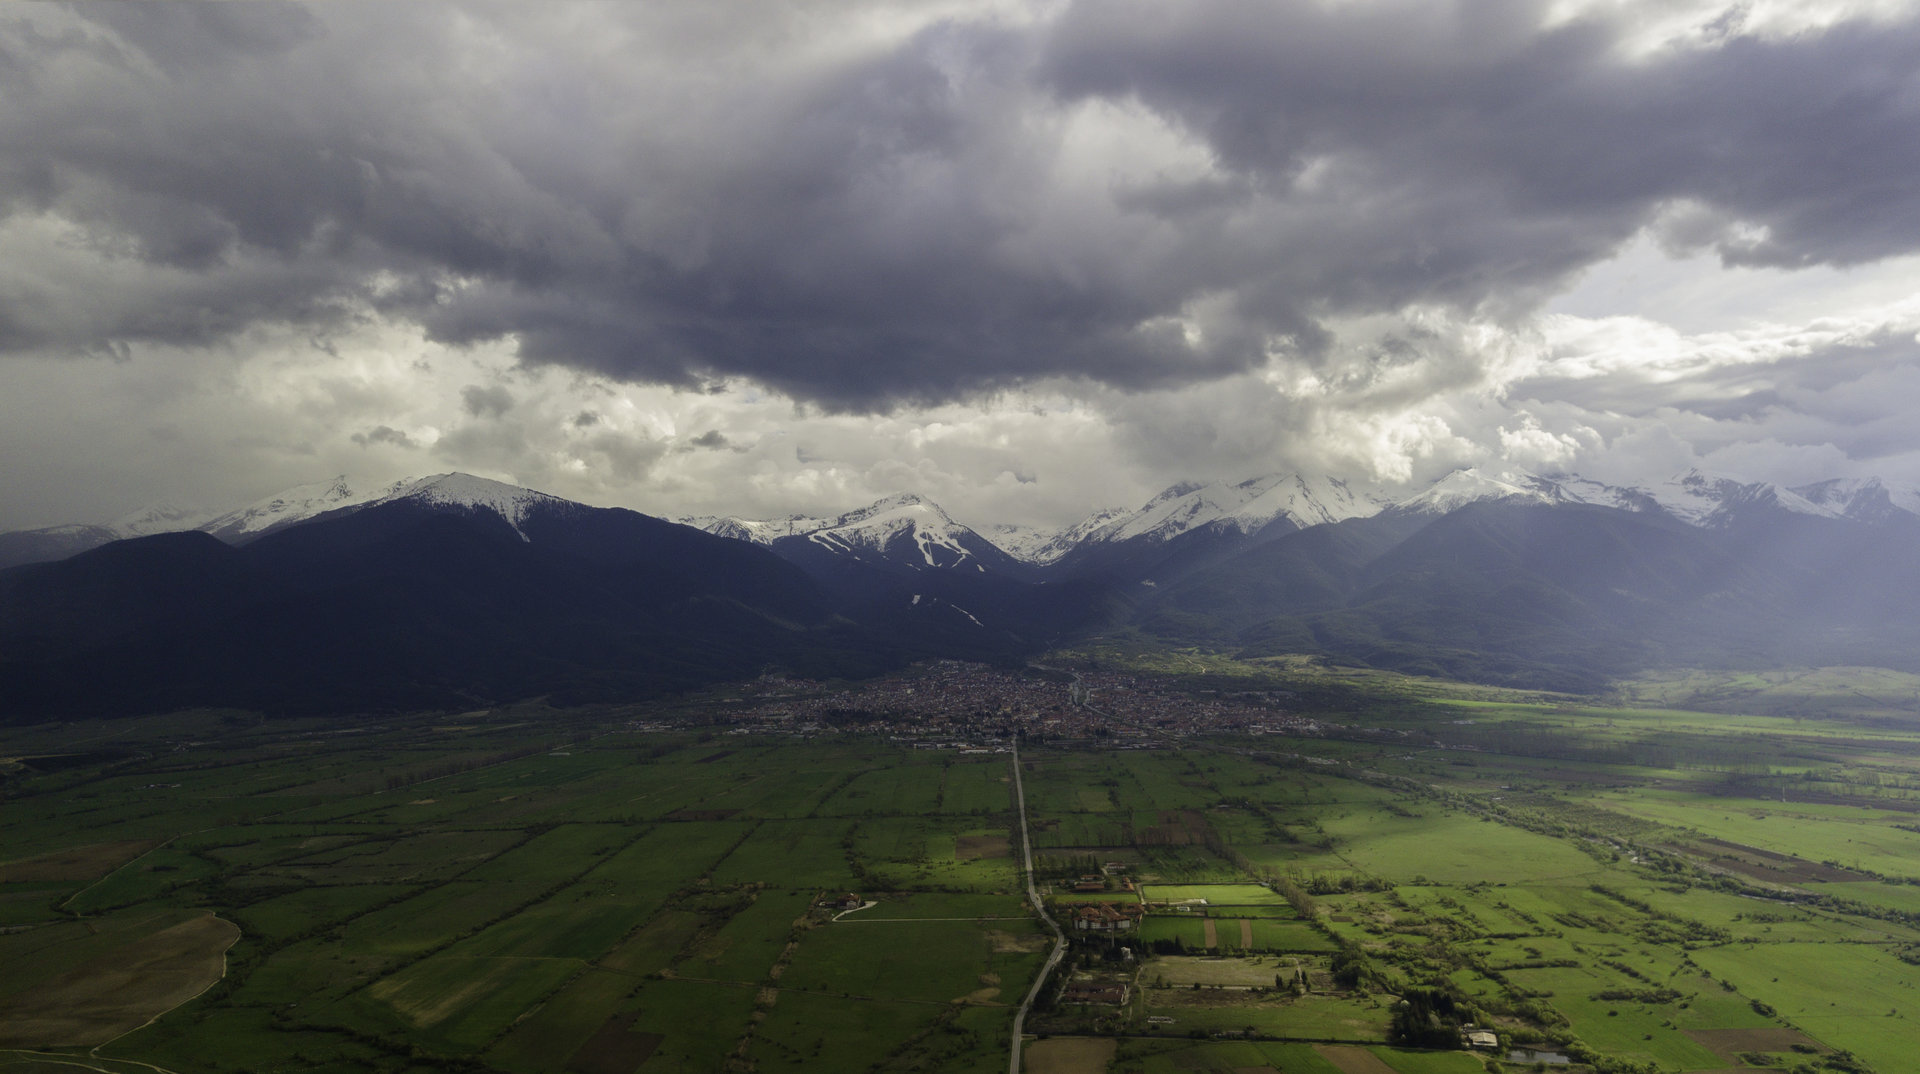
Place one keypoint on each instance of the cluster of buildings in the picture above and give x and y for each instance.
(949, 704)
(1144, 705)
(1104, 916)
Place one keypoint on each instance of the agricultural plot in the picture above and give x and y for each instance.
(119, 990)
(524, 891)
(1211, 895)
(650, 904)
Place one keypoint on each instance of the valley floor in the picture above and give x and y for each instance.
(1378, 874)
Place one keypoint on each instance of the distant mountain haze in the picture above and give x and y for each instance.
(455, 590)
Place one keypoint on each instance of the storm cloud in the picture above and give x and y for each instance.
(1231, 236)
(1131, 193)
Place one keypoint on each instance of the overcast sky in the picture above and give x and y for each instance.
(1030, 259)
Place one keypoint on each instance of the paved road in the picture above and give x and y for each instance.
(1039, 907)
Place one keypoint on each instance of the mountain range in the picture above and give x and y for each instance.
(454, 590)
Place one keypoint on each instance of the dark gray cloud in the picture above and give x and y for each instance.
(384, 434)
(486, 402)
(1500, 152)
(1138, 194)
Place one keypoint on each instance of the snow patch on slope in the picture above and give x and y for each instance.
(1572, 488)
(1700, 498)
(1042, 547)
(886, 522)
(1245, 508)
(901, 524)
(164, 518)
(296, 504)
(759, 531)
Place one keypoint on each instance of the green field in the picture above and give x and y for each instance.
(530, 890)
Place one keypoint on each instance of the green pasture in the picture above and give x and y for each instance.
(1271, 934)
(1648, 1032)
(746, 947)
(1448, 848)
(804, 1031)
(1009, 906)
(1185, 865)
(1180, 1057)
(1411, 1062)
(1184, 971)
(669, 855)
(425, 920)
(791, 853)
(653, 946)
(698, 1022)
(149, 877)
(1850, 837)
(1315, 1017)
(1187, 929)
(918, 852)
(302, 909)
(980, 787)
(249, 1040)
(581, 922)
(459, 1001)
(562, 1024)
(909, 789)
(1056, 830)
(923, 961)
(1852, 996)
(1803, 693)
(1213, 895)
(428, 856)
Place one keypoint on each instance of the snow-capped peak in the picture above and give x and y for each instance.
(1470, 485)
(759, 531)
(882, 525)
(1024, 543)
(1865, 498)
(1031, 544)
(1703, 498)
(898, 505)
(1244, 508)
(905, 527)
(1572, 488)
(510, 502)
(1305, 501)
(289, 506)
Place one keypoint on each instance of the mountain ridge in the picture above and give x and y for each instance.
(452, 587)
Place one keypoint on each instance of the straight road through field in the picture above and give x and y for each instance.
(1033, 895)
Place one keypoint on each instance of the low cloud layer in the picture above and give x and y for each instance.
(1028, 259)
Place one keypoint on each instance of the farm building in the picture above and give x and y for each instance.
(1106, 916)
